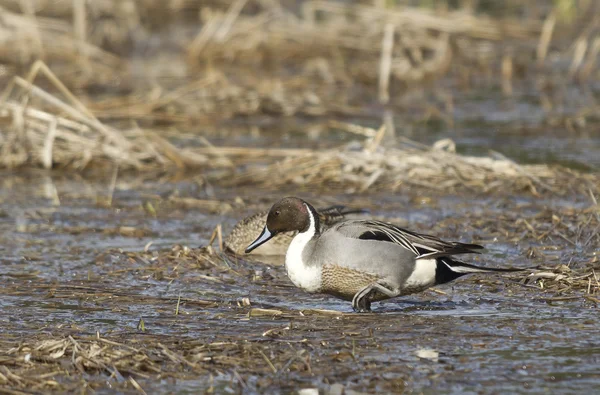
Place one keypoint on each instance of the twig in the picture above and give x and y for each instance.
(545, 38)
(268, 361)
(385, 64)
(113, 185)
(178, 302)
(136, 385)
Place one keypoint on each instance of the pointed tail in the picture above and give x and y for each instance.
(450, 269)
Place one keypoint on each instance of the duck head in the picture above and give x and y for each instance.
(288, 214)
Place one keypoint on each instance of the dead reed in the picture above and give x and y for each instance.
(372, 167)
(246, 58)
(44, 129)
(37, 136)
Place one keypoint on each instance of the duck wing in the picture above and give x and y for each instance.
(422, 245)
(333, 214)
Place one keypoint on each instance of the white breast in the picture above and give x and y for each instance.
(422, 277)
(302, 275)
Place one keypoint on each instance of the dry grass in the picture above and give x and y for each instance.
(225, 331)
(248, 58)
(76, 139)
(56, 130)
(259, 343)
(372, 167)
(93, 98)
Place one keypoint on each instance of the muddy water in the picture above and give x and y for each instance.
(62, 272)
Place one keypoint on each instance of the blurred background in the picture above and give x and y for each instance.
(519, 78)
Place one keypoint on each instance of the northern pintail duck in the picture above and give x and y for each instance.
(362, 260)
(245, 231)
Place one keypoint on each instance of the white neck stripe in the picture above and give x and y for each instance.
(311, 227)
(305, 276)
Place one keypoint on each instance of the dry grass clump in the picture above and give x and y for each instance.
(26, 37)
(44, 129)
(564, 283)
(413, 48)
(578, 227)
(262, 58)
(58, 130)
(318, 60)
(574, 229)
(561, 242)
(549, 228)
(372, 167)
(377, 46)
(58, 363)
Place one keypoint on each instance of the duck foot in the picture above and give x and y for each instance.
(364, 308)
(361, 303)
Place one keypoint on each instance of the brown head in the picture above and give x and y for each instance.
(288, 214)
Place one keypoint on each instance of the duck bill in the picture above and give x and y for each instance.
(265, 236)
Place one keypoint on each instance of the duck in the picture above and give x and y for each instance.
(363, 260)
(244, 232)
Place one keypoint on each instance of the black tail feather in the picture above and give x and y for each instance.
(450, 269)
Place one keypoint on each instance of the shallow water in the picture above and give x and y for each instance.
(62, 272)
(71, 261)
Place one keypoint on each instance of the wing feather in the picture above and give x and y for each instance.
(422, 245)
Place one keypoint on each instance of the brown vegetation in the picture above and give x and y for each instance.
(247, 59)
(88, 87)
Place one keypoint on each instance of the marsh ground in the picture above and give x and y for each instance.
(157, 122)
(84, 306)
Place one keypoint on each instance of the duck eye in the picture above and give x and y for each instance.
(277, 212)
